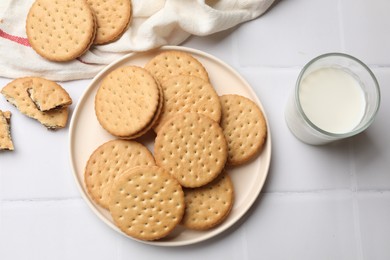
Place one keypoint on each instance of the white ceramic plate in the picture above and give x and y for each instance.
(86, 135)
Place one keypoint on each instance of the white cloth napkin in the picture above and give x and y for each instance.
(155, 23)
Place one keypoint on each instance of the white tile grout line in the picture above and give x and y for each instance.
(119, 246)
(6, 202)
(355, 203)
(244, 243)
(328, 191)
(1, 213)
(341, 25)
(276, 193)
(298, 67)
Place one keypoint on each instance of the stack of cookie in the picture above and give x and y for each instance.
(128, 102)
(198, 133)
(63, 30)
(144, 200)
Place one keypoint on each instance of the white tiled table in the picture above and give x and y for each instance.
(328, 202)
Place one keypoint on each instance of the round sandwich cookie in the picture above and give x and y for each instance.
(113, 17)
(155, 118)
(172, 63)
(209, 205)
(60, 30)
(244, 127)
(192, 148)
(127, 101)
(146, 202)
(188, 94)
(108, 161)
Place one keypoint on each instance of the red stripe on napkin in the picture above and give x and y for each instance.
(17, 39)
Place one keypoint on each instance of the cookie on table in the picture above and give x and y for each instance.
(47, 94)
(146, 202)
(192, 148)
(113, 17)
(173, 63)
(16, 93)
(5, 131)
(108, 161)
(209, 205)
(127, 101)
(60, 30)
(185, 93)
(244, 126)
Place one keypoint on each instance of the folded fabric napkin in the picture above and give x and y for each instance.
(155, 23)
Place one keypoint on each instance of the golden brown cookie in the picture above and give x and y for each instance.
(5, 131)
(127, 101)
(173, 63)
(156, 115)
(46, 94)
(60, 30)
(192, 148)
(244, 126)
(113, 17)
(146, 203)
(209, 205)
(110, 160)
(188, 94)
(16, 93)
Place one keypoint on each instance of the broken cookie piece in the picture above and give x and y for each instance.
(16, 93)
(5, 131)
(46, 94)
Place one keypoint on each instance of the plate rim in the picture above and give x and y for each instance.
(84, 195)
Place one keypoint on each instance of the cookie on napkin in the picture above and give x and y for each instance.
(113, 17)
(60, 30)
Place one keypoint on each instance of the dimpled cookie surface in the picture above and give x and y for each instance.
(188, 94)
(113, 17)
(192, 148)
(244, 126)
(209, 205)
(126, 101)
(60, 30)
(108, 161)
(146, 203)
(172, 63)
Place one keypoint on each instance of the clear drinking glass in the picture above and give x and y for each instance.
(297, 117)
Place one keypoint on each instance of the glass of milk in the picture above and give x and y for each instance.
(336, 96)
